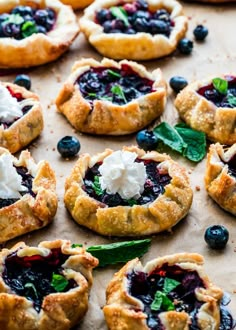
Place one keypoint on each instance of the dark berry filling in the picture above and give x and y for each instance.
(134, 17)
(112, 84)
(23, 21)
(232, 166)
(153, 187)
(31, 277)
(225, 100)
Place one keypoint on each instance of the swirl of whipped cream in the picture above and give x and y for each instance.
(10, 109)
(10, 180)
(121, 174)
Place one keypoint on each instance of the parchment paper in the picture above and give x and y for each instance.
(216, 55)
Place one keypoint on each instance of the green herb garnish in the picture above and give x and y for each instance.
(76, 245)
(170, 284)
(120, 13)
(221, 85)
(117, 90)
(32, 288)
(106, 98)
(96, 186)
(132, 201)
(232, 100)
(59, 282)
(28, 28)
(113, 73)
(161, 300)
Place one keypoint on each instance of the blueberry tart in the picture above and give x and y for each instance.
(48, 27)
(21, 117)
(28, 199)
(220, 176)
(210, 106)
(77, 4)
(111, 98)
(134, 30)
(44, 287)
(127, 192)
(169, 293)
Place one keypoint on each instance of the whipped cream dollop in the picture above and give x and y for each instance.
(121, 174)
(10, 180)
(10, 109)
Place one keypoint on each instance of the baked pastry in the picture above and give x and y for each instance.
(28, 199)
(77, 4)
(169, 293)
(127, 192)
(46, 26)
(134, 30)
(111, 98)
(220, 176)
(44, 287)
(21, 117)
(203, 107)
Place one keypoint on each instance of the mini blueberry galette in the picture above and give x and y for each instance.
(210, 106)
(169, 293)
(111, 98)
(127, 192)
(28, 199)
(21, 117)
(47, 27)
(134, 30)
(44, 287)
(220, 176)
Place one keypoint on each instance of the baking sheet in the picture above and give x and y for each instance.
(214, 56)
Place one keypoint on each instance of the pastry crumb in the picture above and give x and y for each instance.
(198, 188)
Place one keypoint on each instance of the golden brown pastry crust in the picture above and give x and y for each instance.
(162, 214)
(200, 114)
(25, 129)
(220, 185)
(107, 117)
(46, 47)
(30, 213)
(141, 46)
(77, 4)
(60, 311)
(124, 312)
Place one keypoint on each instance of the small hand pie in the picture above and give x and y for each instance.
(208, 108)
(134, 30)
(111, 98)
(77, 4)
(169, 293)
(220, 176)
(44, 287)
(127, 192)
(34, 32)
(21, 117)
(28, 200)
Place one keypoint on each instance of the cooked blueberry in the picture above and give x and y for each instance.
(185, 46)
(200, 32)
(216, 236)
(11, 30)
(147, 140)
(159, 27)
(226, 320)
(22, 10)
(107, 27)
(41, 16)
(4, 17)
(51, 13)
(142, 4)
(68, 146)
(23, 80)
(177, 83)
(41, 29)
(141, 25)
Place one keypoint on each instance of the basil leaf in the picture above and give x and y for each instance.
(76, 245)
(221, 85)
(59, 282)
(15, 19)
(96, 186)
(113, 73)
(169, 285)
(109, 254)
(121, 14)
(32, 287)
(232, 100)
(28, 28)
(157, 302)
(117, 90)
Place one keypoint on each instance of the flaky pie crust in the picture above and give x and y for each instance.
(106, 117)
(77, 4)
(203, 115)
(30, 213)
(162, 214)
(60, 311)
(39, 48)
(124, 312)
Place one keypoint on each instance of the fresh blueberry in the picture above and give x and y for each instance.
(216, 236)
(177, 83)
(22, 11)
(200, 32)
(147, 140)
(23, 80)
(185, 46)
(68, 146)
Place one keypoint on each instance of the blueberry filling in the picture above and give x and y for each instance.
(232, 166)
(153, 187)
(112, 84)
(131, 18)
(31, 276)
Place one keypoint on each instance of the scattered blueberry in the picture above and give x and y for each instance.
(23, 80)
(216, 236)
(177, 83)
(185, 46)
(200, 32)
(68, 146)
(147, 140)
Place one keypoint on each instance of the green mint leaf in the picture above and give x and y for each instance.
(96, 186)
(132, 201)
(59, 282)
(28, 28)
(170, 137)
(221, 85)
(232, 100)
(157, 302)
(113, 73)
(169, 285)
(109, 254)
(167, 304)
(74, 245)
(117, 90)
(120, 13)
(32, 287)
(92, 94)
(15, 19)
